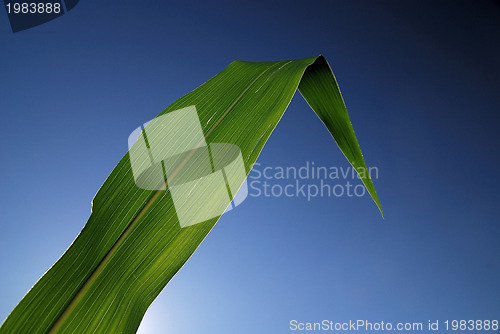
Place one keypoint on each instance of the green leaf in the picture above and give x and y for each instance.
(132, 244)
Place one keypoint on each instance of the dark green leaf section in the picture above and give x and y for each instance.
(320, 89)
(132, 244)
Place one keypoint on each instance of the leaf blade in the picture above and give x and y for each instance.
(132, 244)
(331, 109)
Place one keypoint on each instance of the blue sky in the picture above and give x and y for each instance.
(420, 80)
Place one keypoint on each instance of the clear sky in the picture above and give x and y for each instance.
(421, 83)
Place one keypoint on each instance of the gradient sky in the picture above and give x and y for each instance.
(421, 81)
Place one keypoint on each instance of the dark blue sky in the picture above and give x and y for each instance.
(421, 80)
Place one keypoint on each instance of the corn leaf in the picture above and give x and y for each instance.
(133, 243)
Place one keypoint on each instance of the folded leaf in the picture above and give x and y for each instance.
(134, 241)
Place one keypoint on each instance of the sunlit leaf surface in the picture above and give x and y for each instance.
(133, 242)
